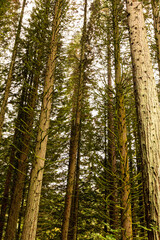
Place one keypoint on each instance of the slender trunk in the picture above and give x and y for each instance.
(75, 138)
(7, 185)
(31, 217)
(126, 217)
(27, 122)
(149, 115)
(140, 210)
(73, 224)
(11, 69)
(111, 142)
(21, 214)
(132, 181)
(12, 165)
(105, 164)
(156, 18)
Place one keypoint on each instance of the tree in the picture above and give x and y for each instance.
(75, 133)
(31, 217)
(30, 71)
(111, 140)
(126, 217)
(11, 69)
(148, 114)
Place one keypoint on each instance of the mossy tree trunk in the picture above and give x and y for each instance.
(126, 216)
(111, 141)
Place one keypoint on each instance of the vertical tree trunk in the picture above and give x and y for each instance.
(73, 224)
(111, 141)
(21, 214)
(27, 122)
(149, 115)
(141, 209)
(7, 185)
(106, 164)
(11, 69)
(156, 18)
(132, 180)
(75, 136)
(126, 216)
(12, 163)
(31, 217)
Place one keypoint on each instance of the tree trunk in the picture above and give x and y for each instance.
(73, 224)
(11, 69)
(7, 186)
(75, 136)
(149, 116)
(111, 142)
(27, 122)
(141, 209)
(21, 214)
(31, 217)
(126, 217)
(156, 18)
(132, 180)
(12, 163)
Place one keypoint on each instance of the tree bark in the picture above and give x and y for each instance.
(7, 186)
(75, 136)
(111, 142)
(27, 123)
(12, 162)
(31, 217)
(11, 69)
(149, 116)
(141, 208)
(126, 216)
(73, 224)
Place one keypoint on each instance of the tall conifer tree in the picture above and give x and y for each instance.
(75, 133)
(148, 114)
(126, 217)
(11, 70)
(31, 217)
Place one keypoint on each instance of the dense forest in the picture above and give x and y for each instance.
(79, 119)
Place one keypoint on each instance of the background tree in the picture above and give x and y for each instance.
(11, 69)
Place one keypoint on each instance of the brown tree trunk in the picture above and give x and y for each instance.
(11, 69)
(12, 163)
(126, 217)
(141, 209)
(31, 217)
(106, 166)
(132, 180)
(7, 186)
(21, 214)
(73, 224)
(156, 18)
(27, 122)
(75, 136)
(149, 115)
(111, 142)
